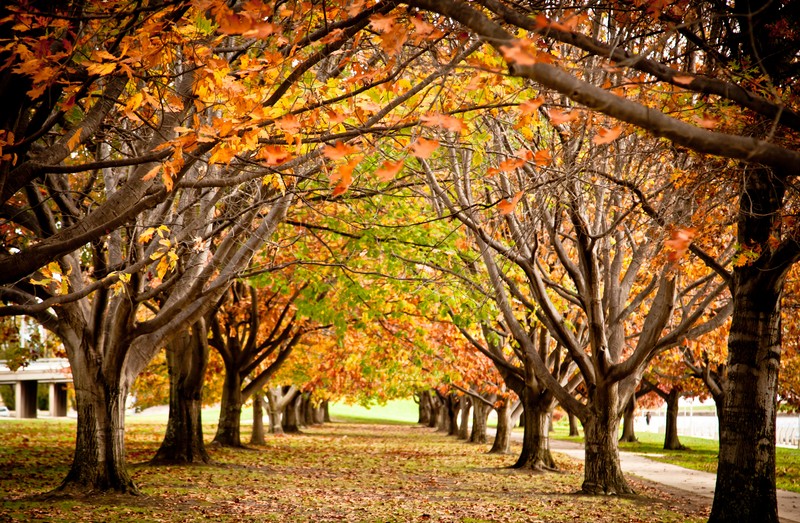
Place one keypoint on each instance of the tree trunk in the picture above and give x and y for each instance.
(628, 433)
(573, 425)
(745, 489)
(436, 411)
(307, 412)
(98, 464)
(671, 440)
(187, 358)
(257, 437)
(319, 414)
(326, 412)
(502, 436)
(424, 407)
(230, 413)
(275, 412)
(535, 453)
(480, 413)
(452, 415)
(465, 404)
(602, 473)
(290, 414)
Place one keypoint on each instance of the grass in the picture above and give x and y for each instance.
(701, 454)
(342, 471)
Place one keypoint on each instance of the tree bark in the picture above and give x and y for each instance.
(326, 412)
(745, 489)
(99, 462)
(257, 436)
(628, 433)
(187, 358)
(275, 411)
(424, 407)
(452, 414)
(535, 454)
(436, 411)
(290, 421)
(230, 413)
(502, 436)
(573, 425)
(602, 472)
(465, 404)
(671, 440)
(480, 414)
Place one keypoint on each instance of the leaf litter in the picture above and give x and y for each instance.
(334, 472)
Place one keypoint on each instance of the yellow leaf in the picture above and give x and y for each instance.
(101, 69)
(222, 154)
(147, 235)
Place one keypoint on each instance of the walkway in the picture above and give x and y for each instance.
(696, 483)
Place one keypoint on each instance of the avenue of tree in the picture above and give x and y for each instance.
(488, 204)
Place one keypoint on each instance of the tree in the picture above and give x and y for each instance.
(254, 332)
(763, 188)
(596, 237)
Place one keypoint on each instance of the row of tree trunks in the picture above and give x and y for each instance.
(433, 412)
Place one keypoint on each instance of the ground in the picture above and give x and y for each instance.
(335, 472)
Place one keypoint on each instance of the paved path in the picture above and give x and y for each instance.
(700, 484)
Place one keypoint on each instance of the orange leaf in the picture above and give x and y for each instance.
(519, 52)
(507, 206)
(338, 150)
(511, 164)
(389, 170)
(167, 179)
(382, 23)
(679, 242)
(73, 142)
(422, 148)
(273, 155)
(531, 105)
(541, 21)
(607, 135)
(345, 177)
(447, 122)
(706, 123)
(682, 79)
(542, 158)
(558, 117)
(151, 173)
(288, 123)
